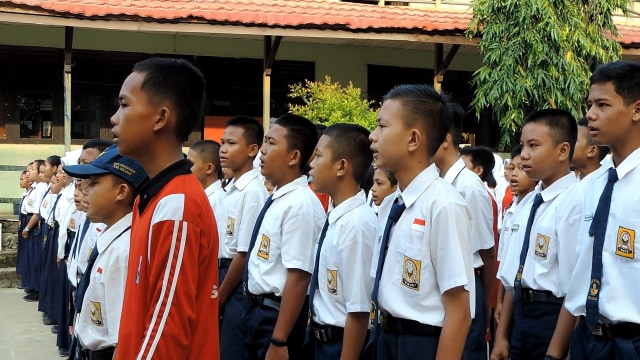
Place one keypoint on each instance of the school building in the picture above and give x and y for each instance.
(63, 61)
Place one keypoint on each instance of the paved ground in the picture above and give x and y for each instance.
(22, 334)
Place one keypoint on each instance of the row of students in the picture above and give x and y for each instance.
(564, 244)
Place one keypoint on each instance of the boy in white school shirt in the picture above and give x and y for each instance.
(238, 210)
(542, 252)
(470, 186)
(604, 292)
(423, 292)
(280, 256)
(110, 196)
(339, 296)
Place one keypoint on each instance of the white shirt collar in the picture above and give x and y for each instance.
(454, 171)
(557, 187)
(295, 184)
(213, 188)
(631, 162)
(244, 180)
(351, 203)
(419, 185)
(110, 234)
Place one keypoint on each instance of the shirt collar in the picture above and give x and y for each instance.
(557, 187)
(454, 171)
(631, 162)
(295, 184)
(245, 179)
(215, 186)
(153, 186)
(111, 233)
(419, 185)
(346, 206)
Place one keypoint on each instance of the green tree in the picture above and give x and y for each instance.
(328, 103)
(539, 54)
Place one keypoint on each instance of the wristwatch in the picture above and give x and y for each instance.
(278, 342)
(26, 228)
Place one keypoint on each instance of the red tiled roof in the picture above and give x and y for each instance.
(276, 13)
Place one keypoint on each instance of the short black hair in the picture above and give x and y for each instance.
(98, 144)
(516, 151)
(390, 175)
(424, 105)
(602, 149)
(179, 82)
(625, 76)
(301, 135)
(38, 163)
(562, 126)
(482, 156)
(54, 160)
(351, 142)
(252, 130)
(456, 117)
(367, 179)
(209, 151)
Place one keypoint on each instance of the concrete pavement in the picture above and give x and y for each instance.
(22, 334)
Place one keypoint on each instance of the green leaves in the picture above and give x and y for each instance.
(539, 54)
(329, 103)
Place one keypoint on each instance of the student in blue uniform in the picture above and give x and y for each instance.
(339, 296)
(31, 233)
(26, 184)
(424, 284)
(542, 253)
(280, 256)
(237, 213)
(604, 292)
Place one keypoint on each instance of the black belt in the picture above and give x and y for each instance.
(543, 296)
(102, 354)
(267, 300)
(30, 214)
(406, 327)
(625, 330)
(224, 263)
(327, 333)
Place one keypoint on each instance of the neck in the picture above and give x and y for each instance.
(405, 176)
(286, 178)
(447, 162)
(344, 191)
(560, 174)
(620, 152)
(591, 167)
(242, 170)
(209, 181)
(522, 194)
(117, 214)
(159, 158)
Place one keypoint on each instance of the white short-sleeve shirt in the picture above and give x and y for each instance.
(475, 194)
(46, 206)
(505, 229)
(65, 212)
(429, 251)
(520, 215)
(84, 251)
(98, 322)
(238, 211)
(286, 238)
(34, 199)
(344, 281)
(551, 256)
(619, 292)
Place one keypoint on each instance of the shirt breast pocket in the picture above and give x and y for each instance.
(545, 244)
(412, 262)
(623, 231)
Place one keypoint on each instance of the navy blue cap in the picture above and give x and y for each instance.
(110, 161)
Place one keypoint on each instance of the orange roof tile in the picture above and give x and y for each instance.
(280, 13)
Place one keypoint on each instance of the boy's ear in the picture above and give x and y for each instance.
(162, 119)
(478, 170)
(593, 151)
(123, 192)
(294, 157)
(343, 165)
(415, 140)
(211, 168)
(563, 151)
(636, 111)
(253, 150)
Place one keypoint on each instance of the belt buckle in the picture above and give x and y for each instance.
(528, 295)
(321, 335)
(382, 319)
(602, 330)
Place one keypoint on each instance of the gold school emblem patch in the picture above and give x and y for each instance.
(72, 224)
(96, 313)
(45, 204)
(625, 242)
(265, 244)
(332, 281)
(30, 202)
(411, 273)
(542, 246)
(231, 222)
